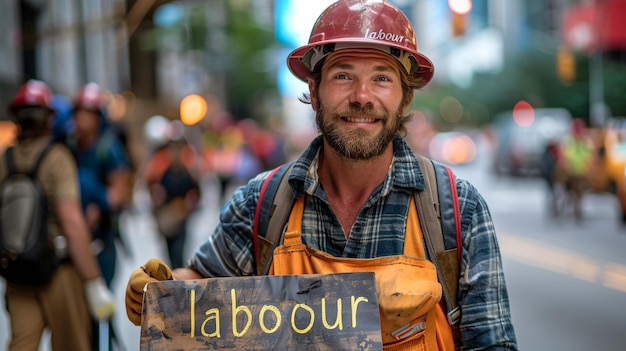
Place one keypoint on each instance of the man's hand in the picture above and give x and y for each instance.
(154, 270)
(99, 299)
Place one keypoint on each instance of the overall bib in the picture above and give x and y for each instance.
(409, 294)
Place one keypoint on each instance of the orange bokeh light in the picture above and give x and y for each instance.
(193, 108)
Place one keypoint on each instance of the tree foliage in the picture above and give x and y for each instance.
(234, 47)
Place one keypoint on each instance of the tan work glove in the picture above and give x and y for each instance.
(99, 299)
(154, 270)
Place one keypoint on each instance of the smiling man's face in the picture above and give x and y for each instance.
(358, 102)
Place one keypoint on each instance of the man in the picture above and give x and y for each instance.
(577, 152)
(104, 177)
(77, 288)
(104, 172)
(354, 184)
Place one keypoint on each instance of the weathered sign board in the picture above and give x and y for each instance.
(292, 312)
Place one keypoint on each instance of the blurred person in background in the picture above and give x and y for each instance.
(77, 288)
(266, 145)
(172, 181)
(62, 122)
(354, 189)
(550, 158)
(228, 154)
(577, 154)
(104, 173)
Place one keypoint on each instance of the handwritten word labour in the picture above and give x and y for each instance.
(301, 318)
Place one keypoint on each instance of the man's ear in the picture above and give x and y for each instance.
(312, 94)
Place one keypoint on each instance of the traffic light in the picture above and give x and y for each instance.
(460, 9)
(565, 65)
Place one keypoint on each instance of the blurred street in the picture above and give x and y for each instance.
(567, 281)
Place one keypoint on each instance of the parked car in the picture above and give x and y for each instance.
(519, 148)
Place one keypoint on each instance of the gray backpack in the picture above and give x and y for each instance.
(27, 254)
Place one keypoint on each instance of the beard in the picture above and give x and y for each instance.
(356, 143)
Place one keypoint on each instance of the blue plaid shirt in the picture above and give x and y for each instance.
(378, 231)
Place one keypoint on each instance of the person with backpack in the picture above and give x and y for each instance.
(104, 173)
(53, 279)
(354, 192)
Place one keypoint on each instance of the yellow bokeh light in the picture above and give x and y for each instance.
(193, 108)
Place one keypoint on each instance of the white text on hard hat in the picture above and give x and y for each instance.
(380, 35)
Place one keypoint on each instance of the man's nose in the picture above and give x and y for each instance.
(362, 94)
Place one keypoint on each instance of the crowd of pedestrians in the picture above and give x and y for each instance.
(89, 175)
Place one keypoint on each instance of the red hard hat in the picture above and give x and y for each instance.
(90, 97)
(33, 93)
(362, 24)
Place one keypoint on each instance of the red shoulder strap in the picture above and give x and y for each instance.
(457, 213)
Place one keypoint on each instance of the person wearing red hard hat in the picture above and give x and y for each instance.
(104, 173)
(76, 289)
(355, 189)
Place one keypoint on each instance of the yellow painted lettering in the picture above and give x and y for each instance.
(338, 320)
(215, 315)
(276, 312)
(192, 309)
(235, 310)
(293, 318)
(354, 304)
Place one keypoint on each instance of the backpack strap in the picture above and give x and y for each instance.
(11, 169)
(438, 204)
(272, 211)
(103, 145)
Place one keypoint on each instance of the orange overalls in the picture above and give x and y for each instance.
(409, 294)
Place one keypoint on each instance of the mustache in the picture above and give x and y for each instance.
(360, 111)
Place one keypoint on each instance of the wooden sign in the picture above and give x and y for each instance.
(292, 312)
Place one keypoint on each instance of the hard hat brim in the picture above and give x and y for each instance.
(424, 73)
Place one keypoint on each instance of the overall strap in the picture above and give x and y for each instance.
(413, 246)
(293, 234)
